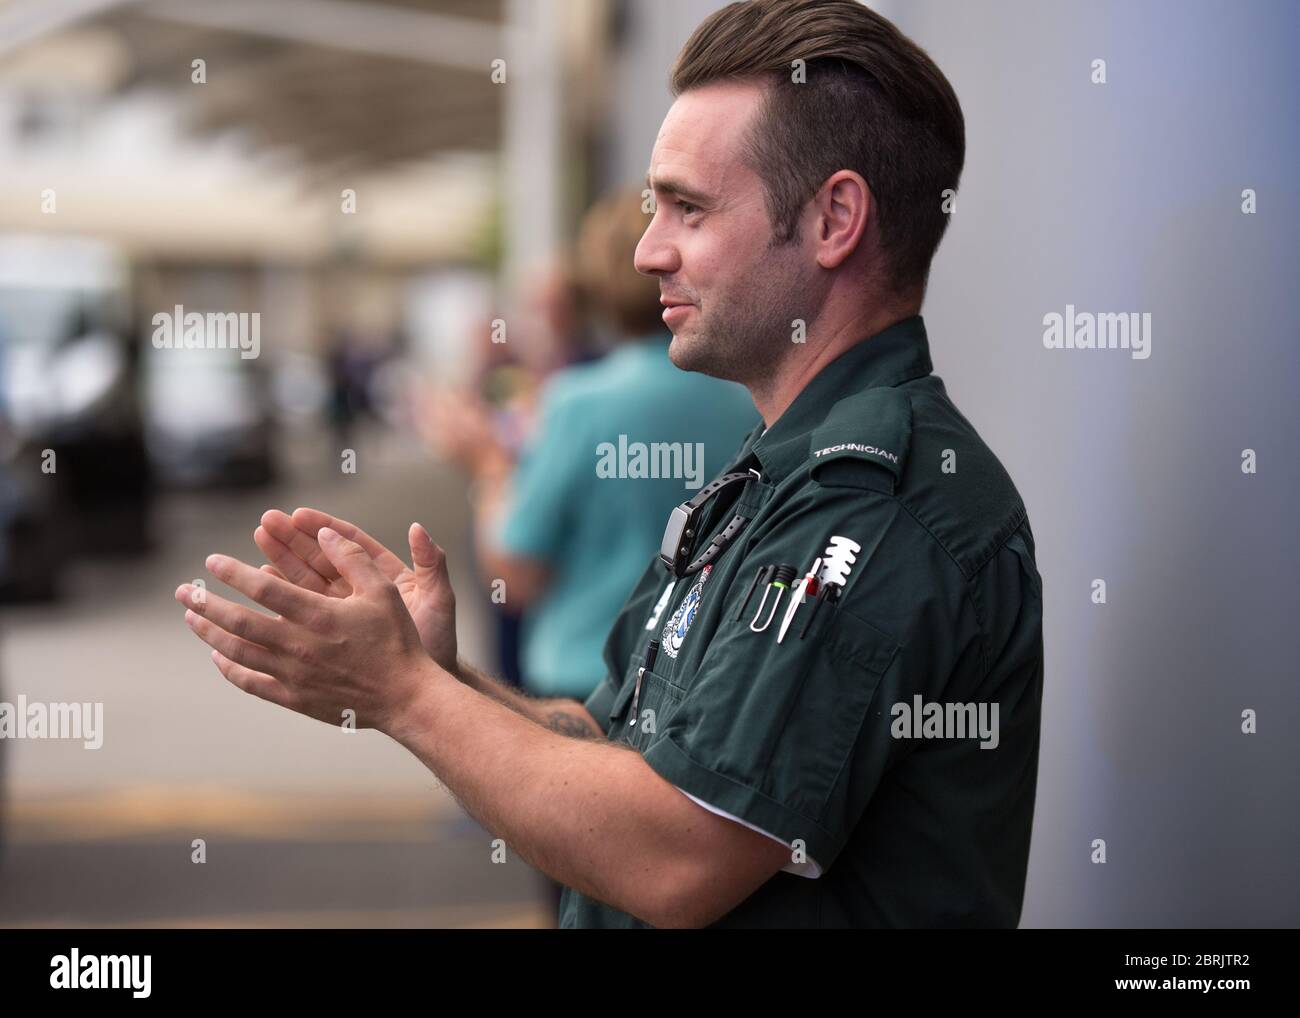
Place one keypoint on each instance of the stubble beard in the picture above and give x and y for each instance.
(746, 333)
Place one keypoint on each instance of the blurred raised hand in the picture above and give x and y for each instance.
(458, 426)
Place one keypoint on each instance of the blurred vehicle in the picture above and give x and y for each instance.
(31, 554)
(75, 474)
(209, 418)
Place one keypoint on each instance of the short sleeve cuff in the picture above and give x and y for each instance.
(671, 762)
(808, 869)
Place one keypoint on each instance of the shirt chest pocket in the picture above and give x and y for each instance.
(636, 717)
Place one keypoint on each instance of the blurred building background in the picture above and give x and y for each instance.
(379, 179)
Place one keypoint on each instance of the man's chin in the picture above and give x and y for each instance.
(675, 346)
(690, 352)
(680, 352)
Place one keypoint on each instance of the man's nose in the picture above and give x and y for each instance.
(654, 254)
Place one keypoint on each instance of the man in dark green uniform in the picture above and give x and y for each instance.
(818, 737)
(822, 706)
(794, 737)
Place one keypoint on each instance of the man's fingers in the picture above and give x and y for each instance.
(280, 526)
(233, 618)
(310, 521)
(430, 561)
(292, 568)
(351, 560)
(258, 683)
(232, 647)
(280, 596)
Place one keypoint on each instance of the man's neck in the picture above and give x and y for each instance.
(773, 394)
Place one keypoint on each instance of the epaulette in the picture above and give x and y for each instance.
(863, 441)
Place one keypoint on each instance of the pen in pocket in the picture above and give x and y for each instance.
(647, 663)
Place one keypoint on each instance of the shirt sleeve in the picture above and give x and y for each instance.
(808, 869)
(546, 482)
(793, 737)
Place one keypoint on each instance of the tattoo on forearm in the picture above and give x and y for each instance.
(570, 725)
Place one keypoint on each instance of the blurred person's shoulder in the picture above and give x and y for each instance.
(638, 369)
(572, 388)
(588, 381)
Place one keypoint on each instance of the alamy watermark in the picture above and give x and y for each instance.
(683, 460)
(179, 329)
(75, 971)
(1107, 330)
(23, 720)
(921, 720)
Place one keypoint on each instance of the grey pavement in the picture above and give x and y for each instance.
(302, 823)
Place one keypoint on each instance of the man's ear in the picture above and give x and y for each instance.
(844, 207)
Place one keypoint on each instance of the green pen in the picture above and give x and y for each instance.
(780, 582)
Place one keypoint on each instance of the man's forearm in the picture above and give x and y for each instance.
(591, 814)
(565, 716)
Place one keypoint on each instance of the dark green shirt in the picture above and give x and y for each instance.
(833, 739)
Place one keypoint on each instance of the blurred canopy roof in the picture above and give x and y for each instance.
(345, 85)
(302, 97)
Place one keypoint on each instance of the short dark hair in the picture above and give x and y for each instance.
(873, 102)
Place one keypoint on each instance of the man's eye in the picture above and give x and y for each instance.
(687, 208)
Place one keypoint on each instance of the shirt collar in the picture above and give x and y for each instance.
(891, 357)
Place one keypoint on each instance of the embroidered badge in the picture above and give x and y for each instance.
(659, 608)
(680, 623)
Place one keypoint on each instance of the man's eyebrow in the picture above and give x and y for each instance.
(678, 188)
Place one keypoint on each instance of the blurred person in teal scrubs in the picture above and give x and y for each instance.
(564, 531)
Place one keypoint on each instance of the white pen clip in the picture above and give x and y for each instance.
(797, 597)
